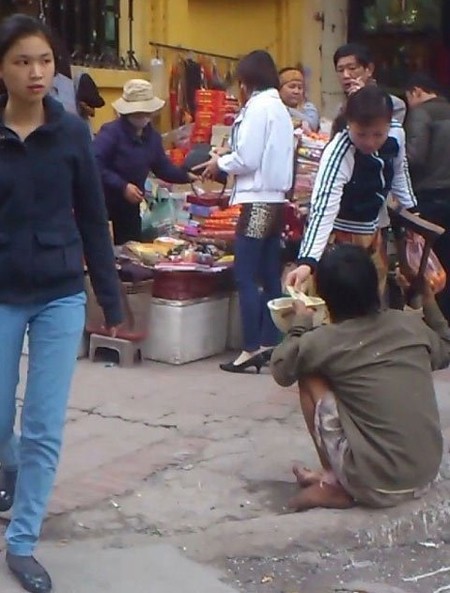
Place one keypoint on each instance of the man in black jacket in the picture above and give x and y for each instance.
(427, 145)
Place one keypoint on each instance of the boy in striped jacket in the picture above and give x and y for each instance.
(359, 168)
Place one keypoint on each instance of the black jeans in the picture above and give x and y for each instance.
(434, 205)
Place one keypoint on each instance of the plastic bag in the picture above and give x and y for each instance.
(434, 272)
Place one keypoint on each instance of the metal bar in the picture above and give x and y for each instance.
(78, 27)
(193, 50)
(63, 22)
(101, 26)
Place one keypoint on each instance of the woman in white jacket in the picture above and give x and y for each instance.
(261, 160)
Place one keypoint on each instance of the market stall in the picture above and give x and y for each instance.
(192, 281)
(187, 307)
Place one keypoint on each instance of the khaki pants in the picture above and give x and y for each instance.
(331, 438)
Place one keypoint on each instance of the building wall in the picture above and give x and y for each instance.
(292, 30)
(228, 27)
(334, 34)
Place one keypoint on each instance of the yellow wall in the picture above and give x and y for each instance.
(230, 27)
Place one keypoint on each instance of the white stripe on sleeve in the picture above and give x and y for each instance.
(335, 171)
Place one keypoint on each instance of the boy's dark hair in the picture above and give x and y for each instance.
(19, 26)
(347, 280)
(257, 71)
(361, 52)
(423, 81)
(369, 104)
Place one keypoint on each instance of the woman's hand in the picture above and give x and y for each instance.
(298, 277)
(211, 169)
(193, 177)
(220, 151)
(133, 194)
(306, 127)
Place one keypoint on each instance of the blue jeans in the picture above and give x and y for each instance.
(55, 331)
(257, 263)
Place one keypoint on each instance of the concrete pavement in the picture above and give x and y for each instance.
(93, 568)
(195, 457)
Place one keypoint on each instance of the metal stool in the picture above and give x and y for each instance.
(127, 350)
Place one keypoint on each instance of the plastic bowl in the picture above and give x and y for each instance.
(283, 314)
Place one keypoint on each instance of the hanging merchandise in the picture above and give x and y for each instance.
(158, 77)
(177, 95)
(216, 81)
(210, 111)
(229, 76)
(194, 81)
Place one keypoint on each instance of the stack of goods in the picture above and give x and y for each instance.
(201, 205)
(232, 108)
(177, 143)
(182, 270)
(168, 253)
(150, 254)
(210, 110)
(192, 256)
(192, 271)
(221, 223)
(309, 152)
(198, 215)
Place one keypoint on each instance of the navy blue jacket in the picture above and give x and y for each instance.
(52, 211)
(124, 158)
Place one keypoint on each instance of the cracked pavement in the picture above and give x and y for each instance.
(202, 459)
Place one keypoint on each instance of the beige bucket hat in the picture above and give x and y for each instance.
(138, 97)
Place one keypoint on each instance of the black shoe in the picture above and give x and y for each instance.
(8, 481)
(256, 361)
(267, 355)
(31, 575)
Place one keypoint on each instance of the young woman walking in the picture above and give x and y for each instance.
(51, 211)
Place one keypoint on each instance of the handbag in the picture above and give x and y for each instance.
(196, 161)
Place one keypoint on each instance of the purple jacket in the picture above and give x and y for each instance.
(125, 158)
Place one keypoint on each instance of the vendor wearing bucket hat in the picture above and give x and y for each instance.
(127, 150)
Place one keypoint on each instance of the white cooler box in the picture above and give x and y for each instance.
(184, 331)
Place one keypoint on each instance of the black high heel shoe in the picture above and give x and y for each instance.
(256, 361)
(8, 481)
(267, 355)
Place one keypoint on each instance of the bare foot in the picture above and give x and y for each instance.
(306, 477)
(322, 495)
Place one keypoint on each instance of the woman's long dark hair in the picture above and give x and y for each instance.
(258, 71)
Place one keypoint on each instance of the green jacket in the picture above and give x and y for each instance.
(428, 144)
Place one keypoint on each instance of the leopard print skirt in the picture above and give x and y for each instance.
(260, 220)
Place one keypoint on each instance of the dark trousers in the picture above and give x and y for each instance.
(257, 264)
(434, 205)
(126, 221)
